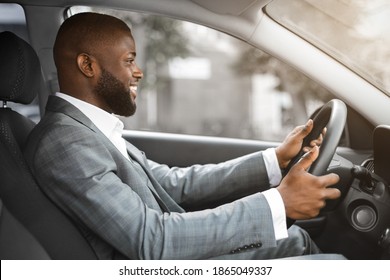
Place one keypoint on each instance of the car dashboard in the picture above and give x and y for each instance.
(359, 227)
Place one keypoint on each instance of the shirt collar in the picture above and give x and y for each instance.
(107, 123)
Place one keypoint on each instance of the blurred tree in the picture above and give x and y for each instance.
(164, 39)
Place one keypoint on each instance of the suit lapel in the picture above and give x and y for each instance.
(134, 153)
(139, 157)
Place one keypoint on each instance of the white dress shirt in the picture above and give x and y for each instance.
(112, 128)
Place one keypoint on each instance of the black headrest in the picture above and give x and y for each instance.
(20, 70)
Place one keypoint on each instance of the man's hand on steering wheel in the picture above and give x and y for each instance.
(305, 188)
(304, 194)
(292, 144)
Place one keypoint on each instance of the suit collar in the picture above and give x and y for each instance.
(107, 123)
(59, 105)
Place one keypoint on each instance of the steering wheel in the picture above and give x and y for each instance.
(333, 116)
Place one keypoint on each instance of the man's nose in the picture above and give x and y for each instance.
(138, 73)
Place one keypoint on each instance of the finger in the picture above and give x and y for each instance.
(306, 149)
(297, 130)
(317, 142)
(329, 179)
(332, 193)
(307, 128)
(302, 130)
(308, 158)
(320, 139)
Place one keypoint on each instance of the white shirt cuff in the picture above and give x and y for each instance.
(272, 166)
(278, 212)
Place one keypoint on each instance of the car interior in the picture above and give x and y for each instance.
(357, 225)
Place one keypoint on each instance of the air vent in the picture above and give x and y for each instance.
(369, 164)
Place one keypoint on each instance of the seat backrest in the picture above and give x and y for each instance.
(16, 242)
(22, 200)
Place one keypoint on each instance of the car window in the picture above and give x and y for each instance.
(12, 19)
(202, 82)
(362, 38)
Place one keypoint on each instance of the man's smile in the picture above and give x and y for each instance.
(133, 91)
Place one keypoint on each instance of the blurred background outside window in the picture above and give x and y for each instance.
(202, 82)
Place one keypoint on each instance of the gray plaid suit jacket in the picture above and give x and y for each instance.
(133, 207)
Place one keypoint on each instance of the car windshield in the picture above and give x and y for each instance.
(355, 32)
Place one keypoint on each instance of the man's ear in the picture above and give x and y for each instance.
(87, 64)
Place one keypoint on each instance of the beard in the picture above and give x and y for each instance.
(115, 94)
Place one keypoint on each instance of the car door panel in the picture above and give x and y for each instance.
(185, 150)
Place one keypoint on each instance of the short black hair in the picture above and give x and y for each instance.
(86, 33)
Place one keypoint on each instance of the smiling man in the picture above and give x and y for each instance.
(128, 206)
(106, 57)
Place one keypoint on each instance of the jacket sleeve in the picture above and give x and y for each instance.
(202, 184)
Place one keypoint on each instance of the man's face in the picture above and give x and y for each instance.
(119, 77)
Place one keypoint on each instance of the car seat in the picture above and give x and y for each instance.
(31, 226)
